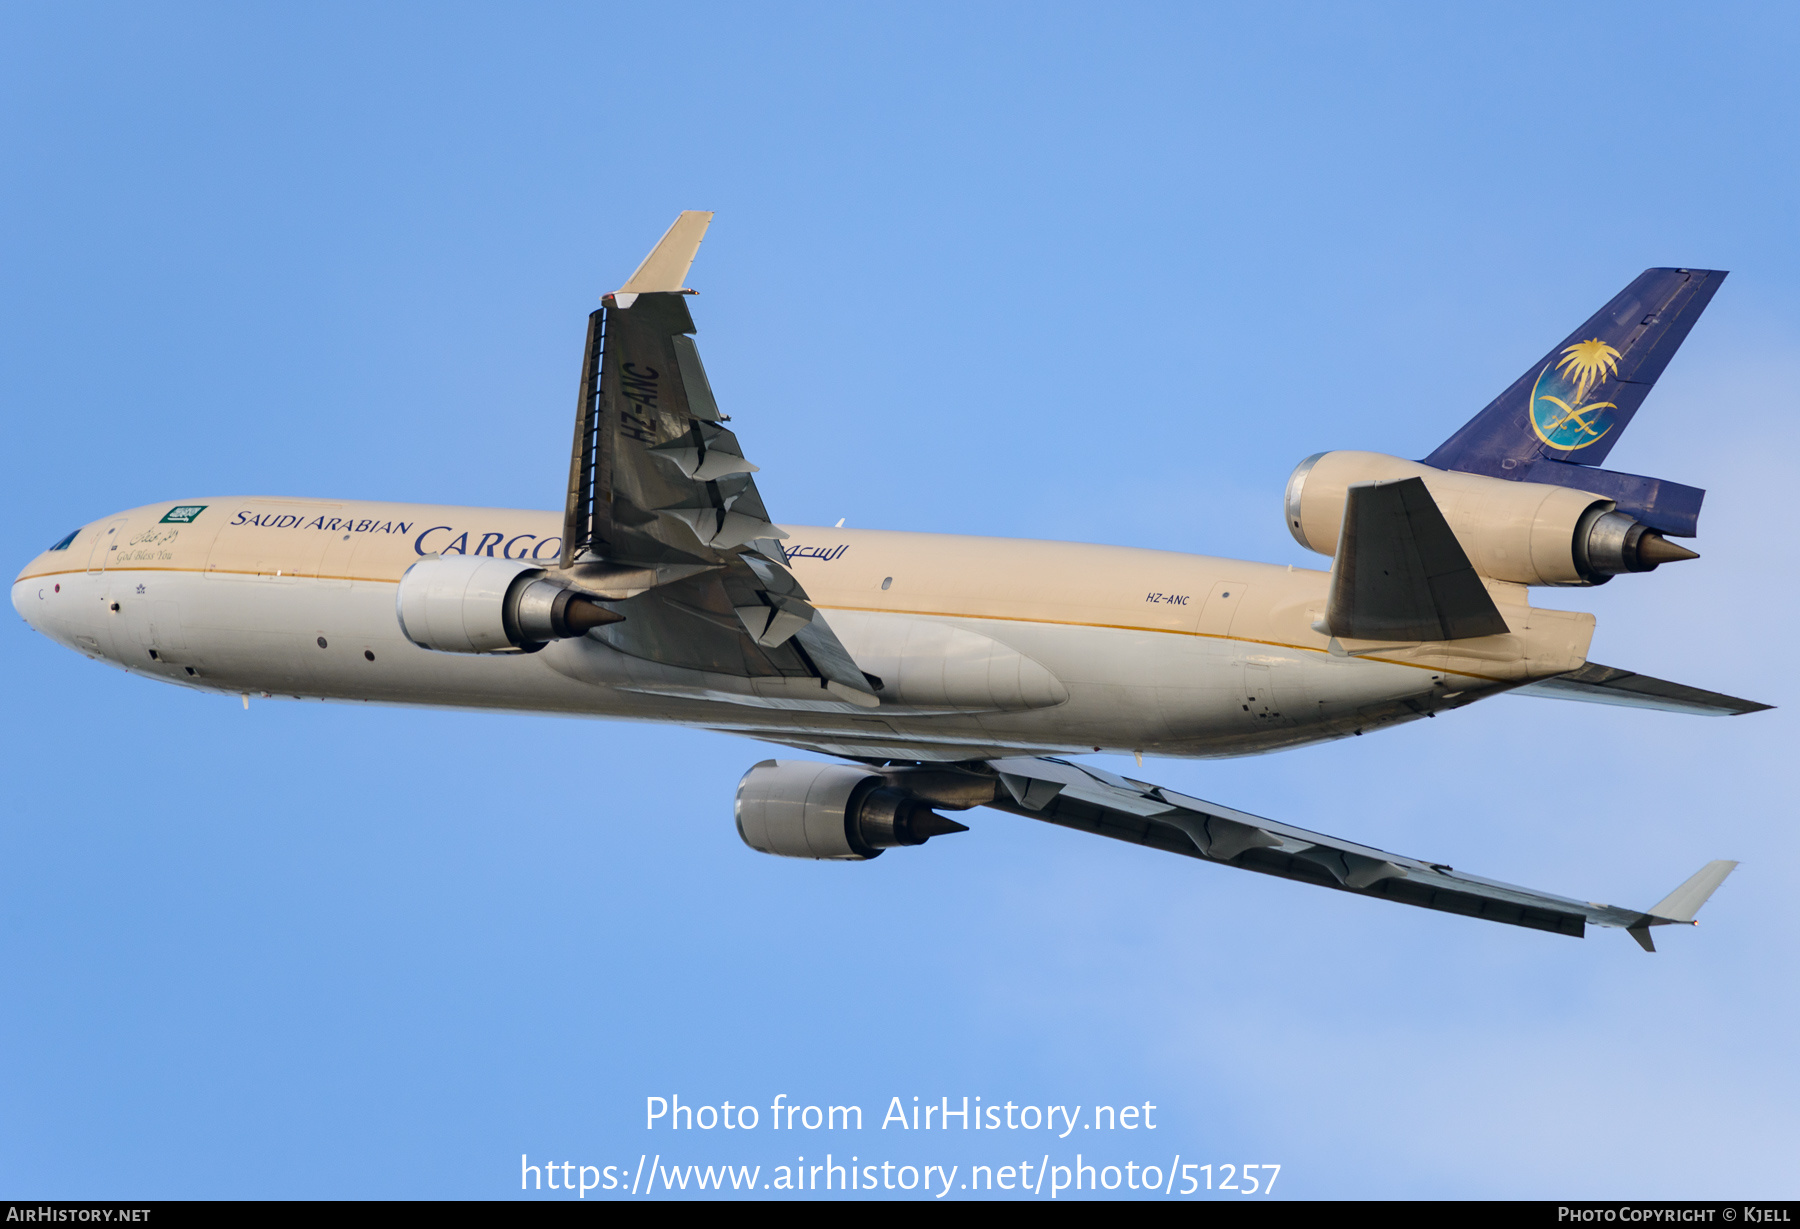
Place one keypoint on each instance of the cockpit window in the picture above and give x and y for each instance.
(64, 544)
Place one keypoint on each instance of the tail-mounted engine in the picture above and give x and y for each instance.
(804, 809)
(1529, 533)
(474, 604)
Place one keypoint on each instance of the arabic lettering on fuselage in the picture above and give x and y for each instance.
(824, 554)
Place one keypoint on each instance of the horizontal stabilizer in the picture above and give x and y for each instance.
(1400, 574)
(1597, 684)
(1667, 507)
(666, 267)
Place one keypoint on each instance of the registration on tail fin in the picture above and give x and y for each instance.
(1559, 420)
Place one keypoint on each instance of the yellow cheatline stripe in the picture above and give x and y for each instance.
(930, 614)
(284, 575)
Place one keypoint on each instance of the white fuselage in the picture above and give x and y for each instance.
(985, 646)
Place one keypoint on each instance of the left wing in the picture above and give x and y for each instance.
(663, 518)
(1094, 800)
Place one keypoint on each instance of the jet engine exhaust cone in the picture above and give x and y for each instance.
(1610, 543)
(929, 824)
(582, 615)
(540, 610)
(1653, 549)
(885, 817)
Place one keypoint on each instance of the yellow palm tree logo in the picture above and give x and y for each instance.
(1586, 364)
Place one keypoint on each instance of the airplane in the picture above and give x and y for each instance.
(939, 672)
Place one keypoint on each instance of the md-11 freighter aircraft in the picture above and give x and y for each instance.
(940, 668)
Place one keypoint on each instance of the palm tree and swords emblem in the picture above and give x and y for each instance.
(1563, 417)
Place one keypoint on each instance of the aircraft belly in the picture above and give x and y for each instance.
(1119, 689)
(1187, 695)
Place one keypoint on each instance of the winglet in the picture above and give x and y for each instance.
(1684, 902)
(667, 265)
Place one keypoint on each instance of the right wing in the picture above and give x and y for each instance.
(664, 521)
(1094, 800)
(1597, 684)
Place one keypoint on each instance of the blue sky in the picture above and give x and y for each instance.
(1102, 274)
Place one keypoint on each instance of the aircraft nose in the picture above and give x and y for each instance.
(37, 587)
(29, 597)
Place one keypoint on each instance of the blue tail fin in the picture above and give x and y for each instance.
(1559, 420)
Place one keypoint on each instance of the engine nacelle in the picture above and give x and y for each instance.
(804, 809)
(475, 604)
(1530, 533)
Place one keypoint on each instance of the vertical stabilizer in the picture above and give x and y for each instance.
(1559, 420)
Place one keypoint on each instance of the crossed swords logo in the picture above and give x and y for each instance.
(1587, 363)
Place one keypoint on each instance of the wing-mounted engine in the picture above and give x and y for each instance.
(805, 809)
(1528, 533)
(475, 604)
